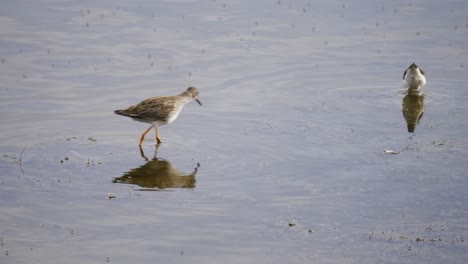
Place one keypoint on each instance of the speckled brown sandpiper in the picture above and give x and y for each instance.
(159, 110)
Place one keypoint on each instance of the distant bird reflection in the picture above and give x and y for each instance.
(158, 174)
(413, 110)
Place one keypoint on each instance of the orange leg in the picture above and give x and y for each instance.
(144, 134)
(158, 139)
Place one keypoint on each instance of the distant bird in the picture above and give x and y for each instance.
(159, 110)
(414, 79)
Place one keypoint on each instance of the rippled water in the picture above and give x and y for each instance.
(284, 162)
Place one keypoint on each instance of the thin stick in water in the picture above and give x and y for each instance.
(21, 158)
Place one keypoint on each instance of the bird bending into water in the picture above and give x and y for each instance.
(159, 110)
(414, 79)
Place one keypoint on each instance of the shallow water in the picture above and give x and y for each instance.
(283, 163)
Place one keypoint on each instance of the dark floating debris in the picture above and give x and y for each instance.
(391, 152)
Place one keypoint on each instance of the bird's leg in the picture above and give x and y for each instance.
(144, 134)
(158, 139)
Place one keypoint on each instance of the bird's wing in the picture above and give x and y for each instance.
(154, 108)
(422, 72)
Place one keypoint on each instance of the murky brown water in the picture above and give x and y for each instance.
(285, 161)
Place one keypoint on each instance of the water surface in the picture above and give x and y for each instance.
(284, 162)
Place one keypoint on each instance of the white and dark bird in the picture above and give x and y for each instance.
(414, 78)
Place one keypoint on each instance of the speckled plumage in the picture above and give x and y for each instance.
(159, 110)
(155, 109)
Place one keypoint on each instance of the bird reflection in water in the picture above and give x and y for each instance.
(413, 110)
(158, 174)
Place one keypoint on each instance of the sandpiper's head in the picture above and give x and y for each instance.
(193, 92)
(413, 66)
(413, 71)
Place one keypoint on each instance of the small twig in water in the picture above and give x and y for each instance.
(21, 158)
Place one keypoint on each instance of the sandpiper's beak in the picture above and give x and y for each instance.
(198, 101)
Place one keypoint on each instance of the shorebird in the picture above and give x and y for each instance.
(159, 110)
(414, 79)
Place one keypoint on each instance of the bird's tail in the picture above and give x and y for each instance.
(120, 112)
(124, 113)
